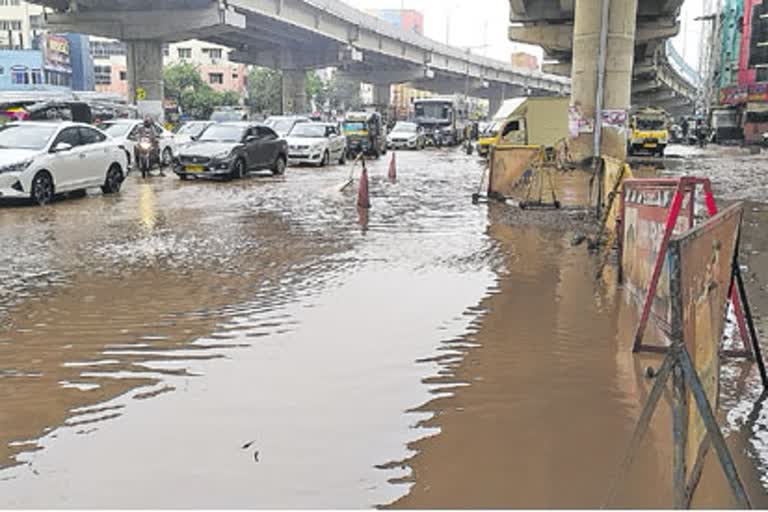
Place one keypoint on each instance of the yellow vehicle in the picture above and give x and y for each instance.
(648, 131)
(489, 134)
(526, 121)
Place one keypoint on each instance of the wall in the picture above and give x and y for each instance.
(21, 39)
(523, 60)
(746, 76)
(22, 70)
(407, 19)
(82, 63)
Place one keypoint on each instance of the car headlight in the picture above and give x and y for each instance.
(17, 167)
(222, 155)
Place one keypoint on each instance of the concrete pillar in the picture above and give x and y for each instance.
(382, 95)
(145, 77)
(617, 83)
(496, 97)
(295, 91)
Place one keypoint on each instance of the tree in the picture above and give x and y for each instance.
(317, 90)
(181, 77)
(265, 90)
(196, 98)
(344, 93)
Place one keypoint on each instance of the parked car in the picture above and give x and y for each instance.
(231, 150)
(316, 143)
(406, 135)
(125, 131)
(39, 160)
(190, 131)
(284, 124)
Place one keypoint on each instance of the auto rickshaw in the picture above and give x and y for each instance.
(366, 134)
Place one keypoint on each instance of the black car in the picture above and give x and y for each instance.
(231, 150)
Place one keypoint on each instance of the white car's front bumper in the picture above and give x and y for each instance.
(398, 144)
(11, 186)
(305, 157)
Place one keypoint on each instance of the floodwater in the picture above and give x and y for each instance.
(259, 344)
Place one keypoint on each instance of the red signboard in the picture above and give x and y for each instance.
(734, 95)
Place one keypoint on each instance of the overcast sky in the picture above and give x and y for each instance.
(475, 26)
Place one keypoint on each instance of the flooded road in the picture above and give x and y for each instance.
(252, 344)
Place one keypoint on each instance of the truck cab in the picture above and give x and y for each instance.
(648, 132)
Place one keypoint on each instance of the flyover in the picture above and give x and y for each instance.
(293, 36)
(640, 65)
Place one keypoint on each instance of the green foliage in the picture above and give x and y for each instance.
(196, 98)
(343, 93)
(265, 90)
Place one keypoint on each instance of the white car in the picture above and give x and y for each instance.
(41, 159)
(283, 125)
(190, 132)
(125, 131)
(317, 144)
(406, 136)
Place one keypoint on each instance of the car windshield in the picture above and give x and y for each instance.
(650, 124)
(282, 125)
(116, 129)
(433, 110)
(224, 116)
(223, 133)
(192, 129)
(308, 130)
(405, 128)
(354, 127)
(26, 136)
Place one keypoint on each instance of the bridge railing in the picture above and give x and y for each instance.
(680, 66)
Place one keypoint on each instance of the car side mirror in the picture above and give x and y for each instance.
(61, 146)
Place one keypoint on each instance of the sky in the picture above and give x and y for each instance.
(473, 26)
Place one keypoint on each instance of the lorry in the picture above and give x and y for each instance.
(648, 131)
(530, 129)
(443, 118)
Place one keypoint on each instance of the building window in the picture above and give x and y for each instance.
(106, 49)
(10, 2)
(103, 75)
(123, 76)
(235, 76)
(184, 53)
(213, 53)
(10, 24)
(19, 75)
(36, 22)
(37, 76)
(216, 78)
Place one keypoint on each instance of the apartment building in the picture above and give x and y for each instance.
(211, 60)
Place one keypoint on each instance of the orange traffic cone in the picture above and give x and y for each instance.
(393, 169)
(363, 199)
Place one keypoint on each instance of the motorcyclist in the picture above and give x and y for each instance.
(147, 130)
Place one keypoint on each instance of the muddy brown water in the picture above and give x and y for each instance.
(251, 344)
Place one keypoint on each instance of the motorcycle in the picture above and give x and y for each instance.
(144, 156)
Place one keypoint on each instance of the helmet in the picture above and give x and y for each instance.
(147, 121)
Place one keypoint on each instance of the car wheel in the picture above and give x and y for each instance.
(167, 157)
(343, 158)
(326, 159)
(113, 181)
(42, 188)
(279, 167)
(184, 177)
(238, 170)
